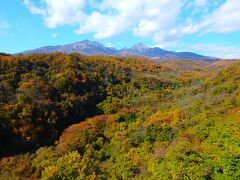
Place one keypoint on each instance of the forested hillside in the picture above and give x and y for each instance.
(76, 117)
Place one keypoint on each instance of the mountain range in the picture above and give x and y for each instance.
(88, 48)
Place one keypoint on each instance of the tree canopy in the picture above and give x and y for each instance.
(77, 117)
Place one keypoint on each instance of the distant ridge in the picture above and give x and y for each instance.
(87, 47)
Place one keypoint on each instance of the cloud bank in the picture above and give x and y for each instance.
(165, 21)
(216, 50)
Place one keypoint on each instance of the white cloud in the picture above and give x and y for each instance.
(103, 26)
(216, 50)
(33, 9)
(54, 35)
(222, 20)
(157, 16)
(156, 19)
(57, 12)
(143, 17)
(109, 17)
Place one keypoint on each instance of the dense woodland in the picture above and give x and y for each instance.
(76, 117)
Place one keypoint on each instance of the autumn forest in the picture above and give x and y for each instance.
(68, 116)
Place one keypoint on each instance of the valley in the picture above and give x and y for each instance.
(70, 116)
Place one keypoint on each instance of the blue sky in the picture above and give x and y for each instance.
(208, 27)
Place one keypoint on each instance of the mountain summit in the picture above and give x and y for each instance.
(87, 47)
